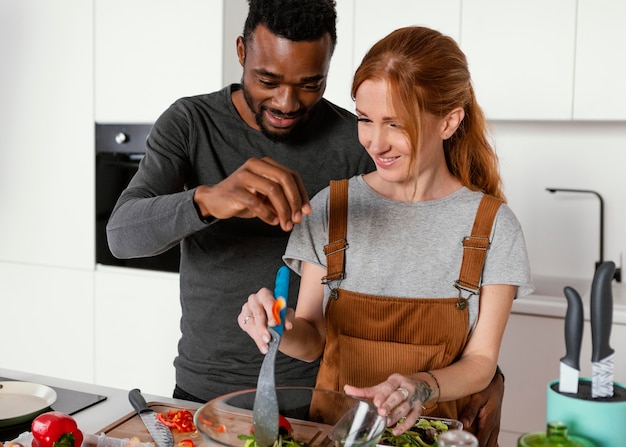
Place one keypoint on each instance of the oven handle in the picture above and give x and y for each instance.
(119, 159)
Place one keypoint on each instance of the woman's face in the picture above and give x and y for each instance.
(384, 138)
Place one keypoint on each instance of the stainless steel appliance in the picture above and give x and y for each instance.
(119, 149)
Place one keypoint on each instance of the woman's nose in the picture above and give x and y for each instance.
(378, 143)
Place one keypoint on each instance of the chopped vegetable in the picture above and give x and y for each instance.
(55, 429)
(423, 434)
(181, 420)
(284, 426)
(185, 443)
(282, 441)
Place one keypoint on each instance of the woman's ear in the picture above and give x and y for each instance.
(451, 122)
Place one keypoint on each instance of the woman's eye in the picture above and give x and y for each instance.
(362, 119)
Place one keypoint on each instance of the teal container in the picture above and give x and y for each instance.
(601, 422)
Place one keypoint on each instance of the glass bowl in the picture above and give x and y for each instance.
(318, 417)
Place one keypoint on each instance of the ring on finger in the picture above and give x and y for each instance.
(245, 320)
(404, 392)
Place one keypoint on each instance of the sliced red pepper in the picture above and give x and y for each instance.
(185, 443)
(181, 420)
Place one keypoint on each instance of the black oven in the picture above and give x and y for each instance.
(119, 149)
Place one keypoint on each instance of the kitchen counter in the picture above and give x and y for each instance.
(548, 300)
(95, 418)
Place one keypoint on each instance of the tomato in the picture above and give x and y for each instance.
(185, 443)
(55, 429)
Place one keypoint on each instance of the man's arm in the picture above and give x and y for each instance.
(484, 410)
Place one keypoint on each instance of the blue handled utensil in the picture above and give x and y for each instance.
(265, 410)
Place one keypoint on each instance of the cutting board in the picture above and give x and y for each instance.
(131, 426)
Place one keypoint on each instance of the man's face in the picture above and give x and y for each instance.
(282, 80)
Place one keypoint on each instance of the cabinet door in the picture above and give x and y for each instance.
(521, 56)
(47, 321)
(46, 142)
(148, 53)
(600, 63)
(137, 318)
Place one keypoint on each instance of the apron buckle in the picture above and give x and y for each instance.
(461, 304)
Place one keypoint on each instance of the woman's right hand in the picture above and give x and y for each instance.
(257, 315)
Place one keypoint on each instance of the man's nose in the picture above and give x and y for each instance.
(286, 99)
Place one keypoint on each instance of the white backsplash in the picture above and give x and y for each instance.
(562, 229)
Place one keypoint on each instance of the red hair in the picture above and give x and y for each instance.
(426, 71)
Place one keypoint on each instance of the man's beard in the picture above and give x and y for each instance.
(258, 117)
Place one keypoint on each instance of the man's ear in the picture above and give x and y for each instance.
(241, 50)
(451, 122)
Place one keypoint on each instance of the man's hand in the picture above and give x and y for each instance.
(259, 188)
(483, 412)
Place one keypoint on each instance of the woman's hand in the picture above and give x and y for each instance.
(257, 315)
(396, 398)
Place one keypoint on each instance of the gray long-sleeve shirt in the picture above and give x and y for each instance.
(202, 140)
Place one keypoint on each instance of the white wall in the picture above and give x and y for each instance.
(562, 229)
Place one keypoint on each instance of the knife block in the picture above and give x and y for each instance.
(602, 420)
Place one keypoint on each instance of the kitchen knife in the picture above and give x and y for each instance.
(602, 356)
(265, 409)
(570, 364)
(160, 432)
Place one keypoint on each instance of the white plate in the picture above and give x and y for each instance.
(21, 401)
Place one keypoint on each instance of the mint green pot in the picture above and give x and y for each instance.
(603, 423)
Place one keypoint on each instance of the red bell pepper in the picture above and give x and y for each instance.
(55, 429)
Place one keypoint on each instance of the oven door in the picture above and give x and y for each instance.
(115, 166)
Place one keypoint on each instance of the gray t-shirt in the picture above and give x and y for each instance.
(202, 140)
(411, 249)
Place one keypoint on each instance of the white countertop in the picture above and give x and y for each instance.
(549, 300)
(94, 419)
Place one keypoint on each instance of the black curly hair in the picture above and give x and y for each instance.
(295, 20)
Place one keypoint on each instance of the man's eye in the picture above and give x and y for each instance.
(312, 87)
(267, 83)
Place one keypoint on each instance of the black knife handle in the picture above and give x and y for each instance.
(137, 401)
(602, 311)
(574, 320)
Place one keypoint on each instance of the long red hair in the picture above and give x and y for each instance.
(427, 71)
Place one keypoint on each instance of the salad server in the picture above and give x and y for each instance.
(265, 410)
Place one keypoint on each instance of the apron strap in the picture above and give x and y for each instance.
(476, 245)
(337, 230)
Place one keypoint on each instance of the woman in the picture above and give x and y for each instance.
(411, 311)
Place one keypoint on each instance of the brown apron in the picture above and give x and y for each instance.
(370, 337)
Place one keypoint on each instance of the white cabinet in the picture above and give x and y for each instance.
(361, 23)
(137, 318)
(148, 53)
(521, 57)
(531, 351)
(600, 65)
(46, 137)
(47, 320)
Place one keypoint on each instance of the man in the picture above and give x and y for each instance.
(227, 175)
